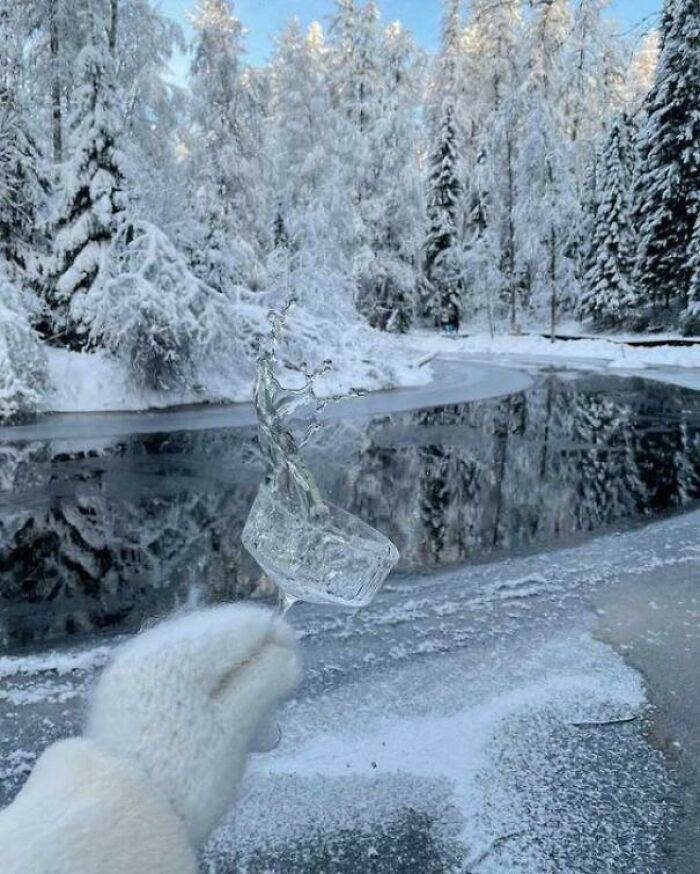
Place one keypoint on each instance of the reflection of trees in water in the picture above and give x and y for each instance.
(555, 461)
(103, 537)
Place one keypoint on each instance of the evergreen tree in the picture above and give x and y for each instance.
(494, 71)
(667, 189)
(152, 107)
(90, 199)
(546, 214)
(690, 319)
(608, 294)
(227, 183)
(314, 214)
(22, 190)
(23, 371)
(449, 73)
(393, 213)
(442, 255)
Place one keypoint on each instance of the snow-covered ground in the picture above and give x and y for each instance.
(467, 721)
(95, 382)
(450, 382)
(98, 382)
(609, 353)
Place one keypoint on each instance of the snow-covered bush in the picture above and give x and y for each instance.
(152, 312)
(325, 325)
(23, 368)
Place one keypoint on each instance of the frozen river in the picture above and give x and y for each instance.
(522, 696)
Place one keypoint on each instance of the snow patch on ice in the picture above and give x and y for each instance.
(361, 754)
(55, 662)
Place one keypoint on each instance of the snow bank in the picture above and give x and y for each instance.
(97, 382)
(55, 662)
(605, 352)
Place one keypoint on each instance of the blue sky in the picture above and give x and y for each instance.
(264, 18)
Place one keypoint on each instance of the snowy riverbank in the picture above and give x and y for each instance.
(97, 382)
(94, 382)
(608, 352)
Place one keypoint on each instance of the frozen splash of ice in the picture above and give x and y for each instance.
(313, 551)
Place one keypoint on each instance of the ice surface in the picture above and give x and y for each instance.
(451, 721)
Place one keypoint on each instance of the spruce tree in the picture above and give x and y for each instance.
(393, 214)
(90, 200)
(690, 319)
(227, 191)
(23, 371)
(608, 296)
(22, 184)
(667, 189)
(22, 188)
(442, 255)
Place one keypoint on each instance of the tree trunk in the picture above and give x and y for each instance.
(553, 280)
(113, 26)
(56, 110)
(510, 238)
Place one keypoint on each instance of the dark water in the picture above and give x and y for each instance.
(93, 537)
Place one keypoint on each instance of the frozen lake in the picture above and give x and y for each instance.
(101, 530)
(520, 697)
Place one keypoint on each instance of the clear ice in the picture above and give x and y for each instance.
(311, 549)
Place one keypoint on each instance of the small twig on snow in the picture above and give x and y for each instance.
(487, 852)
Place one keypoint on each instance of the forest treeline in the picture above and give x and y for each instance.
(541, 164)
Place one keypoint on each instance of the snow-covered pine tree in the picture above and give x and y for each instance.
(356, 87)
(690, 318)
(152, 313)
(303, 134)
(491, 55)
(483, 258)
(448, 79)
(667, 187)
(143, 39)
(589, 197)
(546, 214)
(227, 188)
(442, 260)
(22, 189)
(393, 213)
(548, 206)
(608, 294)
(356, 74)
(91, 200)
(494, 64)
(595, 76)
(23, 370)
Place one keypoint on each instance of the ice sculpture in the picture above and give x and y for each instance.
(313, 550)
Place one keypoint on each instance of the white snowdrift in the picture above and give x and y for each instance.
(97, 382)
(602, 352)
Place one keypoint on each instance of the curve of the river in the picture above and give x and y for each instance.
(454, 382)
